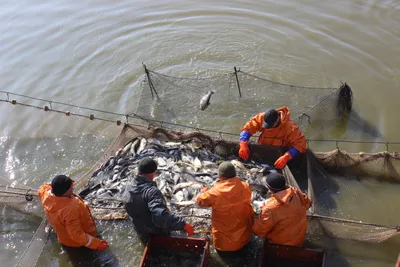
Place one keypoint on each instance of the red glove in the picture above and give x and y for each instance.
(204, 189)
(244, 151)
(281, 162)
(189, 229)
(103, 245)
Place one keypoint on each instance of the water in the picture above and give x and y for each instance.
(89, 53)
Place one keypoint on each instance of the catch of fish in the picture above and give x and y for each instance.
(183, 169)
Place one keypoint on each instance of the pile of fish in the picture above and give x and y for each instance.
(183, 169)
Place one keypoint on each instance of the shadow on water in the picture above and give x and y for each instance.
(339, 128)
(357, 124)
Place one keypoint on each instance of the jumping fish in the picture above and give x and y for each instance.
(205, 100)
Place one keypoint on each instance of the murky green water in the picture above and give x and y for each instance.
(89, 53)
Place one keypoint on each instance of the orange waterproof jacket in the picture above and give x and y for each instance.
(232, 214)
(283, 218)
(287, 134)
(70, 218)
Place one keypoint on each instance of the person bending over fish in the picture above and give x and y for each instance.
(69, 216)
(146, 205)
(283, 217)
(232, 214)
(277, 129)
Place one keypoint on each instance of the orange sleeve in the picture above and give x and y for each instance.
(295, 137)
(264, 223)
(75, 232)
(254, 124)
(206, 199)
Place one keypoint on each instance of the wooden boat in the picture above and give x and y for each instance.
(274, 255)
(174, 245)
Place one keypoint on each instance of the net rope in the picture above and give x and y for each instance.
(161, 97)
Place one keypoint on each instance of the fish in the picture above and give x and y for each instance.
(260, 190)
(205, 100)
(179, 196)
(183, 169)
(142, 145)
(196, 164)
(238, 164)
(182, 203)
(181, 186)
(134, 146)
(176, 178)
(267, 169)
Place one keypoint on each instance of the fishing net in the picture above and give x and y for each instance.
(332, 179)
(239, 96)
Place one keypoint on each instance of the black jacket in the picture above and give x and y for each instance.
(146, 206)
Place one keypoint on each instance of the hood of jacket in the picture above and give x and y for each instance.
(284, 196)
(285, 115)
(230, 188)
(52, 203)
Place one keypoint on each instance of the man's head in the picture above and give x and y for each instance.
(271, 119)
(226, 170)
(147, 167)
(62, 185)
(275, 182)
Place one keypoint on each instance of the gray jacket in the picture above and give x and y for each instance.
(147, 208)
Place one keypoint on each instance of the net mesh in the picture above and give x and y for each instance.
(162, 99)
(331, 178)
(329, 174)
(324, 171)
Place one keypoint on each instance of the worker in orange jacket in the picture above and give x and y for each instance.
(232, 213)
(277, 129)
(69, 216)
(283, 217)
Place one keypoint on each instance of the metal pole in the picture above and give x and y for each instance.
(237, 80)
(150, 82)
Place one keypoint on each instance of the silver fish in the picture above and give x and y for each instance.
(179, 196)
(134, 146)
(181, 185)
(143, 143)
(183, 203)
(196, 164)
(205, 100)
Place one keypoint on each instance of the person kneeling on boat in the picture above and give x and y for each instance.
(147, 207)
(232, 214)
(283, 217)
(276, 129)
(69, 216)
